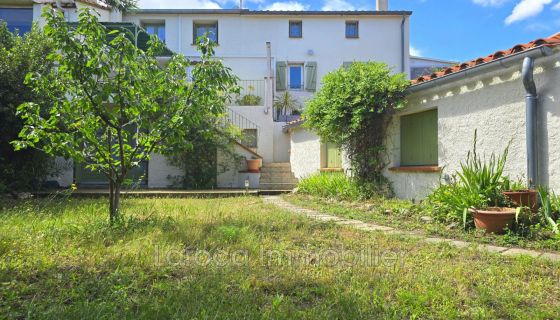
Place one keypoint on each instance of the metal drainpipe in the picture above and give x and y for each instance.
(531, 101)
(402, 44)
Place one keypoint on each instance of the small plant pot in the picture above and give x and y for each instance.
(253, 165)
(493, 219)
(524, 198)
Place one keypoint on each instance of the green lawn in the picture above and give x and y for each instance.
(404, 215)
(239, 258)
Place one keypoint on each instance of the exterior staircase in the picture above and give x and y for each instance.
(277, 176)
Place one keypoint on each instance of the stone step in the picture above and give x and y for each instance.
(269, 174)
(277, 165)
(276, 186)
(275, 169)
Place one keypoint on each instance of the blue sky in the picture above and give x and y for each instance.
(448, 29)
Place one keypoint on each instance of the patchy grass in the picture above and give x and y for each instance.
(405, 215)
(239, 258)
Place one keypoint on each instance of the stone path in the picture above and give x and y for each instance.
(367, 226)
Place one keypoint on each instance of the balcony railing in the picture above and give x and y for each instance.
(252, 93)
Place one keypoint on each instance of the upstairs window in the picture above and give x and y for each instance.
(20, 19)
(157, 29)
(352, 29)
(210, 28)
(296, 29)
(295, 76)
(419, 139)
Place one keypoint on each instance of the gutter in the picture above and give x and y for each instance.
(501, 63)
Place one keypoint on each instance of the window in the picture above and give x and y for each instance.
(295, 76)
(19, 19)
(249, 138)
(210, 28)
(296, 29)
(351, 29)
(156, 29)
(419, 139)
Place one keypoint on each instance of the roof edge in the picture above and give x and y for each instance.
(271, 12)
(540, 51)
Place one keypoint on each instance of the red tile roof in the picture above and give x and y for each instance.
(551, 41)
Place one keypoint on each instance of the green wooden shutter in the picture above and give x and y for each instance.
(280, 75)
(311, 76)
(419, 139)
(346, 64)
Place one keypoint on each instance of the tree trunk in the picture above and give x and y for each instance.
(114, 201)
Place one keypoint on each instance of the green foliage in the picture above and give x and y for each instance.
(114, 104)
(353, 109)
(550, 208)
(478, 184)
(285, 103)
(19, 55)
(249, 100)
(331, 185)
(123, 5)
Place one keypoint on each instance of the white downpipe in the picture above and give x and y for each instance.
(269, 80)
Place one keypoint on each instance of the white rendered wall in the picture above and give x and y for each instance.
(161, 173)
(242, 40)
(494, 104)
(262, 116)
(305, 153)
(281, 143)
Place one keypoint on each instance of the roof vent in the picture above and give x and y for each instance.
(382, 5)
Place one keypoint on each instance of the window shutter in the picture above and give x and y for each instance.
(280, 75)
(346, 64)
(311, 76)
(419, 139)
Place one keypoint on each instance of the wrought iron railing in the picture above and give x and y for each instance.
(252, 93)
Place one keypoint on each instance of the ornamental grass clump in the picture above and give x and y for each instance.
(478, 184)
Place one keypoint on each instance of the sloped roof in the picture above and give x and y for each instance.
(551, 41)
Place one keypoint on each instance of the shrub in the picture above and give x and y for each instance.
(331, 185)
(353, 109)
(249, 100)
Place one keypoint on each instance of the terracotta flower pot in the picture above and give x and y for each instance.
(493, 219)
(253, 165)
(524, 198)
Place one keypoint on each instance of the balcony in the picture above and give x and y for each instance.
(252, 93)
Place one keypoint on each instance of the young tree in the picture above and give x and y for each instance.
(114, 104)
(353, 109)
(19, 55)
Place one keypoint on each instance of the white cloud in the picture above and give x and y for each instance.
(287, 6)
(526, 9)
(337, 5)
(489, 3)
(415, 52)
(556, 6)
(181, 4)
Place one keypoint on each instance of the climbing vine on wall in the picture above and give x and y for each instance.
(353, 109)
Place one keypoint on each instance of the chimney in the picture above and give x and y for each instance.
(382, 5)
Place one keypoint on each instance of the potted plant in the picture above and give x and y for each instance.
(482, 184)
(253, 164)
(519, 195)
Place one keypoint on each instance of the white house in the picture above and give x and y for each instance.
(270, 51)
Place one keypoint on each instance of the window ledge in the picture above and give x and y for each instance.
(331, 169)
(416, 169)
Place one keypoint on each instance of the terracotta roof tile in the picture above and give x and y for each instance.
(551, 41)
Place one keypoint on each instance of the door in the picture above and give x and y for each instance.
(334, 160)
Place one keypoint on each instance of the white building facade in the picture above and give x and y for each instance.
(271, 52)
